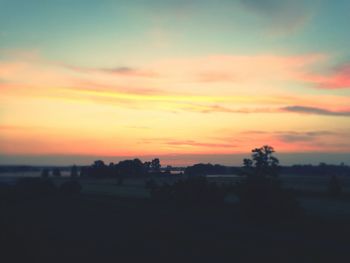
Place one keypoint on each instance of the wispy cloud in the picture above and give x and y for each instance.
(223, 109)
(298, 140)
(310, 136)
(188, 143)
(198, 144)
(314, 110)
(118, 71)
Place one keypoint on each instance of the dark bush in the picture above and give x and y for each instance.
(71, 187)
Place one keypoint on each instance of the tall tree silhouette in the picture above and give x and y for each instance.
(261, 195)
(263, 162)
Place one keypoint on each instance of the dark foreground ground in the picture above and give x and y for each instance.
(90, 228)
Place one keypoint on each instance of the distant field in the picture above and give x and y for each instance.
(312, 183)
(136, 188)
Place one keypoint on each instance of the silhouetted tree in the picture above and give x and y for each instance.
(201, 169)
(155, 165)
(263, 162)
(147, 167)
(261, 195)
(98, 169)
(130, 168)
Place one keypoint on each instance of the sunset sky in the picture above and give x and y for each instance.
(187, 81)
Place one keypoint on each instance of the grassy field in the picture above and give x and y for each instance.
(314, 183)
(111, 223)
(313, 198)
(90, 228)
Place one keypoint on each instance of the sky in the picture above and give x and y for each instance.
(186, 81)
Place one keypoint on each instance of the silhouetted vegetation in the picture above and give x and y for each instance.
(123, 169)
(132, 168)
(155, 166)
(205, 169)
(261, 195)
(210, 169)
(321, 169)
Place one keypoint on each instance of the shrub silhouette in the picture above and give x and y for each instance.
(207, 169)
(71, 187)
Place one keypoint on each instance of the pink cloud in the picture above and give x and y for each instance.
(339, 78)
